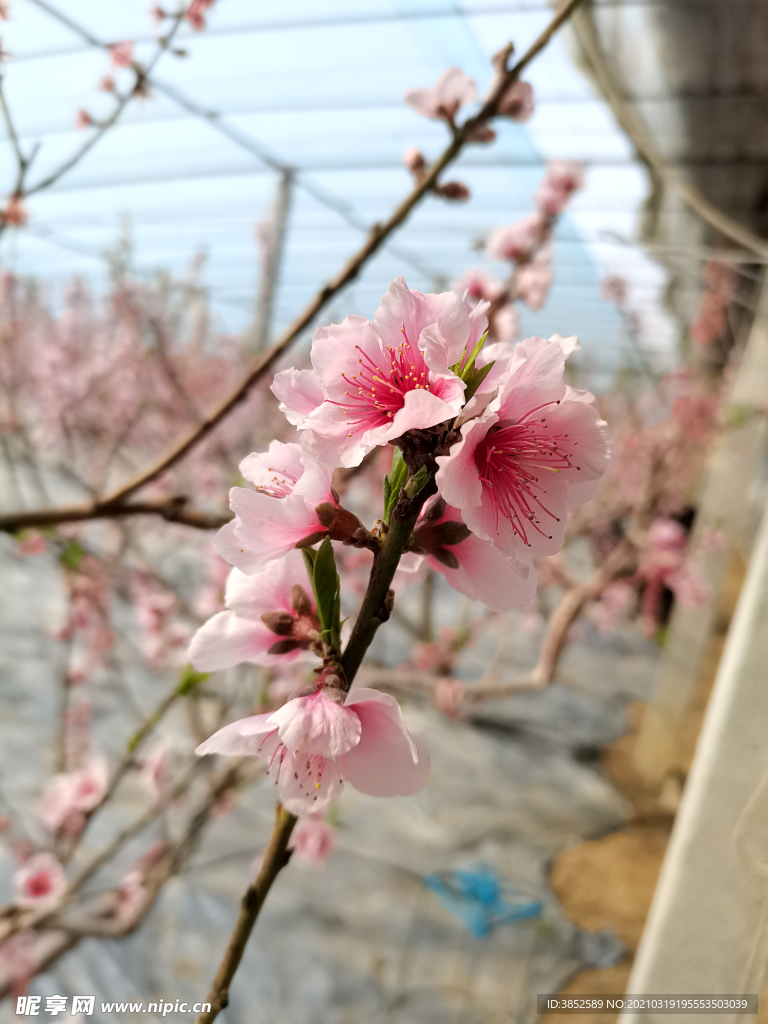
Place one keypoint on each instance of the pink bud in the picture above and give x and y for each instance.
(83, 119)
(517, 102)
(414, 161)
(122, 53)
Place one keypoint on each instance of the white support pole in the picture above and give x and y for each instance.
(707, 931)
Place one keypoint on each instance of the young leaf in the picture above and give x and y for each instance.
(476, 380)
(325, 584)
(469, 366)
(396, 482)
(189, 678)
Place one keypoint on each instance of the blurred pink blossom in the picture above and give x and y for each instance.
(34, 543)
(478, 285)
(452, 90)
(195, 13)
(313, 840)
(122, 53)
(533, 280)
(15, 211)
(518, 103)
(516, 241)
(40, 880)
(154, 771)
(449, 694)
(106, 84)
(70, 795)
(615, 603)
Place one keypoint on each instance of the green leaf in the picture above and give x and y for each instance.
(469, 367)
(309, 560)
(72, 555)
(189, 678)
(325, 585)
(476, 380)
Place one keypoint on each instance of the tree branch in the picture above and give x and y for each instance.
(172, 508)
(261, 364)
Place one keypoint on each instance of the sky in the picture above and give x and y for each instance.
(318, 87)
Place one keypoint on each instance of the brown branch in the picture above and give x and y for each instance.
(173, 508)
(376, 237)
(275, 859)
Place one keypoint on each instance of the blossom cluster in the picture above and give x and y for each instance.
(510, 450)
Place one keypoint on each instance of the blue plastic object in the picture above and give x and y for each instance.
(481, 900)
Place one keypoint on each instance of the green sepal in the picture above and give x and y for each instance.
(418, 482)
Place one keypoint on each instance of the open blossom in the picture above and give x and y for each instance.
(518, 103)
(452, 90)
(122, 53)
(382, 378)
(538, 450)
(280, 512)
(313, 840)
(317, 741)
(478, 285)
(471, 565)
(70, 795)
(270, 617)
(517, 241)
(40, 880)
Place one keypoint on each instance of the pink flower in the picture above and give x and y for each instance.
(561, 180)
(70, 795)
(516, 241)
(270, 617)
(40, 880)
(195, 13)
(154, 771)
(33, 544)
(449, 694)
(614, 289)
(315, 743)
(106, 84)
(518, 103)
(506, 324)
(5, 10)
(15, 211)
(537, 451)
(476, 285)
(471, 565)
(280, 513)
(122, 53)
(452, 90)
(533, 280)
(314, 840)
(385, 377)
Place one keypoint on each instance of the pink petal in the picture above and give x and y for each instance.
(536, 377)
(276, 470)
(458, 480)
(233, 551)
(387, 761)
(307, 785)
(227, 639)
(403, 307)
(246, 737)
(250, 595)
(485, 574)
(317, 725)
(268, 527)
(298, 392)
